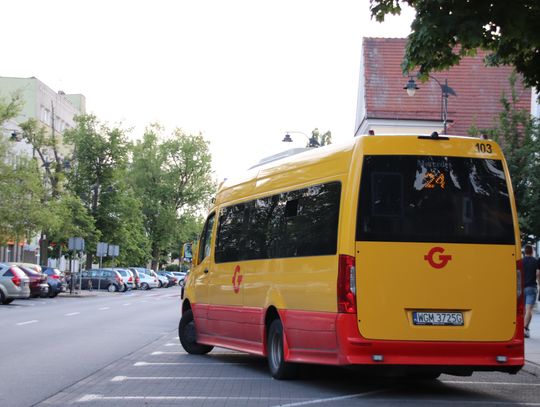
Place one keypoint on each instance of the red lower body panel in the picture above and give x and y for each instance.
(332, 338)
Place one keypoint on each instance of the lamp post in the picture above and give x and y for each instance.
(446, 91)
(312, 141)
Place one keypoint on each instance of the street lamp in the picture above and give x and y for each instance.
(411, 87)
(312, 141)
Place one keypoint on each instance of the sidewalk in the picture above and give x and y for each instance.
(83, 293)
(532, 345)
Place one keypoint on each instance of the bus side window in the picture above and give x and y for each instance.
(206, 238)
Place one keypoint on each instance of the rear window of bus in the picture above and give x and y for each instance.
(434, 199)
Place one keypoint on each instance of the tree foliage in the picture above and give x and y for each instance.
(445, 31)
(172, 179)
(72, 219)
(518, 133)
(323, 139)
(22, 212)
(10, 108)
(45, 145)
(97, 177)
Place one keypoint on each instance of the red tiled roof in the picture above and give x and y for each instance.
(478, 88)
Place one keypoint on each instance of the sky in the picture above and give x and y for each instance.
(240, 72)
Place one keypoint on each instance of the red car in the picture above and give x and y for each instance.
(38, 280)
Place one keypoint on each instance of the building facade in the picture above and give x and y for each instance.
(385, 107)
(53, 110)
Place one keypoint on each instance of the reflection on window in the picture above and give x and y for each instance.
(206, 238)
(295, 223)
(434, 199)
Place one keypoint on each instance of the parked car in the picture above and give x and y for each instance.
(135, 271)
(147, 281)
(162, 281)
(171, 278)
(56, 280)
(38, 279)
(127, 276)
(180, 275)
(14, 283)
(147, 272)
(110, 280)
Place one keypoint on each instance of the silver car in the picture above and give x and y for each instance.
(127, 276)
(14, 283)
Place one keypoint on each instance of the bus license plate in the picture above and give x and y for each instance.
(438, 318)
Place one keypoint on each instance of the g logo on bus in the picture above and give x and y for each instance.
(442, 260)
(236, 279)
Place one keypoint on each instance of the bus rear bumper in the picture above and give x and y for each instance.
(448, 357)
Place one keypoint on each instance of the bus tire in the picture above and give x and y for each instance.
(279, 369)
(188, 335)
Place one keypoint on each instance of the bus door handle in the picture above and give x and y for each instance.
(205, 271)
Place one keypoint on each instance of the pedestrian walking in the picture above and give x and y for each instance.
(531, 271)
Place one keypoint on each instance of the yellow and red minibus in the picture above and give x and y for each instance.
(393, 251)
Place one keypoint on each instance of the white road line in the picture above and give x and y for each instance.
(489, 383)
(168, 353)
(126, 304)
(99, 397)
(183, 363)
(104, 308)
(330, 399)
(125, 378)
(71, 314)
(159, 352)
(27, 322)
(171, 344)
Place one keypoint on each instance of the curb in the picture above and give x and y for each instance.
(76, 295)
(531, 368)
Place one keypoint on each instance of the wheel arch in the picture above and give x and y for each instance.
(186, 305)
(271, 315)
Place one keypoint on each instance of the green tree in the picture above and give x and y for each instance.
(71, 219)
(173, 180)
(323, 139)
(445, 31)
(22, 212)
(98, 179)
(518, 133)
(10, 108)
(46, 145)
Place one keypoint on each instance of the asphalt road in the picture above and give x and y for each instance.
(47, 344)
(123, 350)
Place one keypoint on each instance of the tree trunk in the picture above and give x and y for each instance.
(43, 252)
(155, 258)
(89, 260)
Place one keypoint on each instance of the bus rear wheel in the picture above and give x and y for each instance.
(276, 360)
(188, 335)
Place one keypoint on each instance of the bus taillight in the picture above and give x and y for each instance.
(346, 284)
